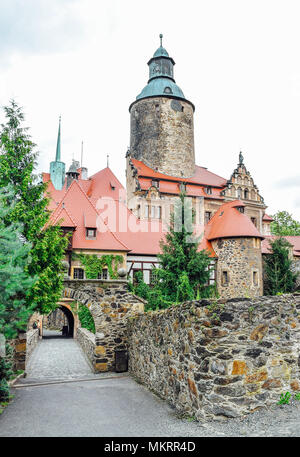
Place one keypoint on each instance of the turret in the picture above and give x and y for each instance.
(73, 172)
(162, 125)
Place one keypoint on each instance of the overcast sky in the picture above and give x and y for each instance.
(86, 60)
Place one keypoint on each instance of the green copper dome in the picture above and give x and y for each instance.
(161, 86)
(161, 52)
(161, 77)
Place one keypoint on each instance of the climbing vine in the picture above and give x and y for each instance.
(84, 315)
(86, 319)
(94, 265)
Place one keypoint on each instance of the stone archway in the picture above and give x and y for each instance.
(110, 304)
(70, 322)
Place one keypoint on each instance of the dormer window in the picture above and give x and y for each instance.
(155, 183)
(241, 209)
(90, 233)
(168, 90)
(208, 190)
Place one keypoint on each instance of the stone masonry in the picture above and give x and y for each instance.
(222, 358)
(110, 304)
(162, 135)
(240, 259)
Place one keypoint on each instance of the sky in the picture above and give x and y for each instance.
(86, 61)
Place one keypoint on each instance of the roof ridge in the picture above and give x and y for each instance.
(177, 178)
(98, 214)
(107, 168)
(63, 208)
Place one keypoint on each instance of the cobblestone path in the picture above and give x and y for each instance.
(57, 357)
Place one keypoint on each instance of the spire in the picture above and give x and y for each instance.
(57, 168)
(57, 157)
(161, 37)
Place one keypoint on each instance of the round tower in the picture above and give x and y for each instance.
(162, 121)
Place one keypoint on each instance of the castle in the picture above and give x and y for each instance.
(160, 163)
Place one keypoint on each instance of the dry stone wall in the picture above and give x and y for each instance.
(87, 341)
(32, 339)
(225, 358)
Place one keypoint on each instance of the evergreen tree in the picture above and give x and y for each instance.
(15, 281)
(184, 289)
(278, 268)
(182, 266)
(17, 163)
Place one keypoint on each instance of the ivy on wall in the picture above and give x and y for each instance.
(93, 265)
(86, 319)
(84, 315)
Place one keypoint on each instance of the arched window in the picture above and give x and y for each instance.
(246, 193)
(239, 193)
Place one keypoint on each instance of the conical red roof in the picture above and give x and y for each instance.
(229, 222)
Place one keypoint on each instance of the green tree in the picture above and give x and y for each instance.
(47, 254)
(184, 289)
(17, 164)
(278, 268)
(284, 224)
(179, 254)
(15, 281)
(183, 273)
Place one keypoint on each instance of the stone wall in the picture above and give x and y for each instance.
(32, 339)
(87, 341)
(110, 304)
(222, 358)
(240, 258)
(55, 320)
(162, 135)
(19, 346)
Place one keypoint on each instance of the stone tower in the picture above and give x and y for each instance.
(162, 124)
(57, 168)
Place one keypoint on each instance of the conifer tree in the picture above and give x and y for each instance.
(15, 281)
(183, 269)
(17, 164)
(278, 268)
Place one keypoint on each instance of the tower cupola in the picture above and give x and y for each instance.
(73, 172)
(162, 121)
(161, 77)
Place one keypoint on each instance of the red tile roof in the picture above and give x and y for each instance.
(201, 176)
(62, 217)
(228, 222)
(84, 214)
(267, 218)
(293, 240)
